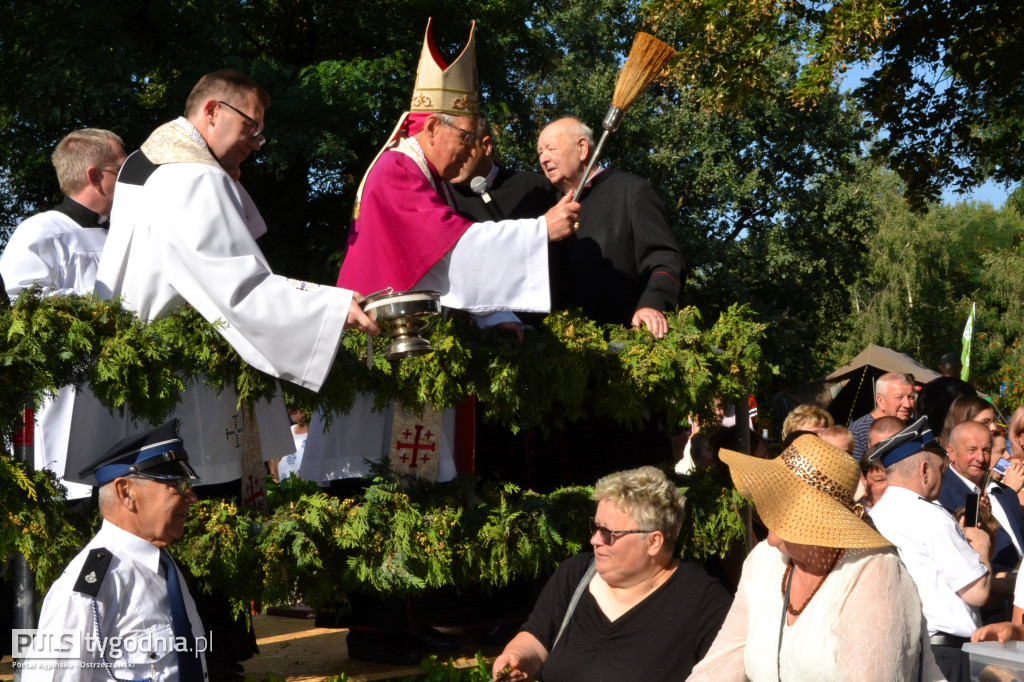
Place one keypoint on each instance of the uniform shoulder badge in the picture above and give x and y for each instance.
(94, 570)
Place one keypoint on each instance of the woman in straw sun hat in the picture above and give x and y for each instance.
(825, 597)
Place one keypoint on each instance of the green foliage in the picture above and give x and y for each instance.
(941, 91)
(36, 522)
(438, 671)
(924, 273)
(727, 45)
(947, 97)
(714, 522)
(767, 197)
(54, 341)
(218, 549)
(390, 539)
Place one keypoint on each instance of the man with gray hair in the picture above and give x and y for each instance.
(124, 592)
(969, 450)
(894, 397)
(624, 261)
(59, 250)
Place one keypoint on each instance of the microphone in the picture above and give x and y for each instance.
(479, 187)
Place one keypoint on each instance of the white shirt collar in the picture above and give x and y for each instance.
(141, 551)
(492, 174)
(593, 174)
(968, 483)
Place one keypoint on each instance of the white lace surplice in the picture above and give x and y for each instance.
(864, 624)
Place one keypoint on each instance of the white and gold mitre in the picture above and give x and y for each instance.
(446, 89)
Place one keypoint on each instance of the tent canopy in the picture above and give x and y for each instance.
(849, 391)
(888, 361)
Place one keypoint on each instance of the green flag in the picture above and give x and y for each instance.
(965, 354)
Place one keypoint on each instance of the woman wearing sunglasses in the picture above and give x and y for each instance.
(629, 611)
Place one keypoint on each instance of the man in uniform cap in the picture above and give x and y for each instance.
(950, 564)
(124, 587)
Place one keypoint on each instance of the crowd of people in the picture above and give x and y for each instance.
(867, 570)
(884, 545)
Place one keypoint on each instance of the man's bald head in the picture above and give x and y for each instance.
(970, 449)
(563, 148)
(884, 427)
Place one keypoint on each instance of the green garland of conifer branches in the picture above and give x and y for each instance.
(569, 366)
(394, 539)
(390, 539)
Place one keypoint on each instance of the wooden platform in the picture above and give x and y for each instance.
(294, 648)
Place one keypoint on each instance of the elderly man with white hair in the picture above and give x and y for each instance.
(624, 262)
(124, 592)
(894, 397)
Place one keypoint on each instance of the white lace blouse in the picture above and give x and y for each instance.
(864, 624)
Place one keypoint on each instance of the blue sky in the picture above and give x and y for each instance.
(991, 192)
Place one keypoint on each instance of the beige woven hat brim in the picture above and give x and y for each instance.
(794, 510)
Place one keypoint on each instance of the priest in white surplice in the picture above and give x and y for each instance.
(59, 251)
(180, 234)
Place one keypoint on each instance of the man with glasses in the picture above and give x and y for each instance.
(178, 235)
(124, 593)
(59, 252)
(181, 233)
(406, 234)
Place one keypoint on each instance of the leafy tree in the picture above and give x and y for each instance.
(923, 274)
(764, 198)
(339, 81)
(948, 94)
(945, 97)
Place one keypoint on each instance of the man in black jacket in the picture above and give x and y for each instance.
(515, 194)
(624, 261)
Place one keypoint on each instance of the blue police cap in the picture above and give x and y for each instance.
(910, 441)
(158, 454)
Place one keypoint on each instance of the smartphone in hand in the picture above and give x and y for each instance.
(971, 510)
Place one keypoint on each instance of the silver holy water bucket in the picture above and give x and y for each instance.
(403, 316)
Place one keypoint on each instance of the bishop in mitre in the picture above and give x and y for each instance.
(406, 235)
